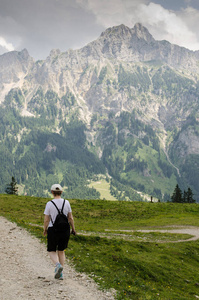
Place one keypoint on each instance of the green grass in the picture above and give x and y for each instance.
(147, 236)
(140, 269)
(103, 187)
(165, 184)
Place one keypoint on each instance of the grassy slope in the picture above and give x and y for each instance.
(136, 269)
(103, 187)
(156, 178)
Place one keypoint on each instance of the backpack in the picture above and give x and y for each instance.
(61, 223)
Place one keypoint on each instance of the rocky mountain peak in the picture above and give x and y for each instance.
(123, 43)
(14, 65)
(24, 54)
(13, 57)
(123, 32)
(142, 32)
(54, 52)
(116, 31)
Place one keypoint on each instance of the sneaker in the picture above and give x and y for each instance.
(61, 276)
(58, 271)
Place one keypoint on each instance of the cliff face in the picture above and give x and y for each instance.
(124, 70)
(14, 66)
(116, 45)
(91, 73)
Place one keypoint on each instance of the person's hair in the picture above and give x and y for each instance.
(56, 193)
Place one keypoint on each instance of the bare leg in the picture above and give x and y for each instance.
(54, 257)
(57, 259)
(62, 257)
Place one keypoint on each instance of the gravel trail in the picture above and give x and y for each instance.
(27, 272)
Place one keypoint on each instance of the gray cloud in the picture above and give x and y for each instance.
(5, 45)
(41, 25)
(163, 23)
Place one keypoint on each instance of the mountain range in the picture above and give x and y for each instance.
(123, 108)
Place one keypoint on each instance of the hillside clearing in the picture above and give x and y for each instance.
(103, 187)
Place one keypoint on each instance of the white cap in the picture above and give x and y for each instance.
(56, 187)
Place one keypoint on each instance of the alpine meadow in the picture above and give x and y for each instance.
(114, 248)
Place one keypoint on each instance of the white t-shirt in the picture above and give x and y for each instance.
(51, 210)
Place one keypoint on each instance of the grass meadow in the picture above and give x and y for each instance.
(103, 187)
(137, 265)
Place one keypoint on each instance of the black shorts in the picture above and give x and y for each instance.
(57, 241)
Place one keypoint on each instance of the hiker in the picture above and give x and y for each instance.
(57, 239)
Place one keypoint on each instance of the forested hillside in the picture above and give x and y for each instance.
(37, 157)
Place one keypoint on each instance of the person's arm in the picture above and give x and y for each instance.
(46, 222)
(71, 222)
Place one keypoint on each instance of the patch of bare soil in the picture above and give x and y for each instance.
(27, 272)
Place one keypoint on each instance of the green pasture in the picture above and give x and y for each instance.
(137, 265)
(103, 187)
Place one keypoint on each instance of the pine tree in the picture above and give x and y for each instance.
(190, 196)
(12, 189)
(177, 195)
(185, 197)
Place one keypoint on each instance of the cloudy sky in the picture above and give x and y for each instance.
(42, 25)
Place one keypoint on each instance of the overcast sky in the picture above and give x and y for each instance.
(43, 25)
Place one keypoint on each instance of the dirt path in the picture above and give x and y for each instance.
(191, 230)
(27, 272)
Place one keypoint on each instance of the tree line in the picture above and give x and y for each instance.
(182, 197)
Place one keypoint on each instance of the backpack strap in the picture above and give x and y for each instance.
(58, 209)
(55, 206)
(62, 207)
